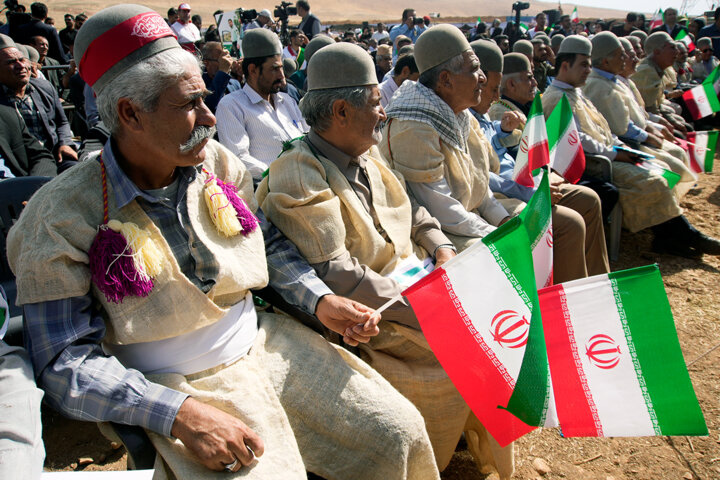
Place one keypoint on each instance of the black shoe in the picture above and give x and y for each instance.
(706, 244)
(672, 246)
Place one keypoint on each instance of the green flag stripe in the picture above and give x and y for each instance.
(710, 154)
(712, 97)
(559, 121)
(512, 252)
(642, 301)
(671, 177)
(537, 213)
(536, 108)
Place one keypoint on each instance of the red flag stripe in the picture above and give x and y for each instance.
(564, 363)
(455, 342)
(576, 168)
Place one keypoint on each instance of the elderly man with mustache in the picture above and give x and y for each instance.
(136, 273)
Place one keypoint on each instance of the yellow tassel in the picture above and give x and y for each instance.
(221, 210)
(146, 255)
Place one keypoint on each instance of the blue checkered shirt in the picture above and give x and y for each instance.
(28, 112)
(63, 336)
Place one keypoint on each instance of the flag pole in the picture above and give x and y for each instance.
(387, 304)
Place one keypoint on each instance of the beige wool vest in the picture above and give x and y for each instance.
(48, 248)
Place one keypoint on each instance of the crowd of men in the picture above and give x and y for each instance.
(320, 168)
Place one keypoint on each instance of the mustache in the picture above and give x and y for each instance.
(197, 136)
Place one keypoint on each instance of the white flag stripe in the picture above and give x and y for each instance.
(593, 312)
(543, 259)
(498, 295)
(563, 152)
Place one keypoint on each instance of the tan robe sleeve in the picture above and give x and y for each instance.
(650, 87)
(609, 102)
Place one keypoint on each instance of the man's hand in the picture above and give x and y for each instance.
(555, 194)
(674, 94)
(215, 437)
(303, 40)
(512, 120)
(65, 151)
(236, 69)
(225, 61)
(356, 322)
(442, 255)
(626, 157)
(654, 141)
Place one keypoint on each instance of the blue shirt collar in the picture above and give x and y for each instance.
(604, 74)
(125, 190)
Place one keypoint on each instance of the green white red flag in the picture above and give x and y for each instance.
(574, 17)
(686, 40)
(566, 154)
(703, 100)
(615, 359)
(537, 218)
(533, 148)
(670, 177)
(480, 315)
(657, 19)
(701, 150)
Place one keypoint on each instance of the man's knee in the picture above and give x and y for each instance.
(568, 225)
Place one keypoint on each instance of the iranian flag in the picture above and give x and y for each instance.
(657, 19)
(533, 148)
(702, 145)
(686, 40)
(566, 154)
(479, 313)
(615, 359)
(670, 177)
(537, 218)
(703, 99)
(574, 17)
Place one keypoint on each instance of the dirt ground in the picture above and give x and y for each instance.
(693, 288)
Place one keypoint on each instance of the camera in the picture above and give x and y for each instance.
(518, 6)
(284, 10)
(246, 16)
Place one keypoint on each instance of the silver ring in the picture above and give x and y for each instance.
(230, 467)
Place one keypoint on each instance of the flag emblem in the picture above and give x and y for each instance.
(524, 144)
(573, 137)
(549, 238)
(602, 351)
(510, 329)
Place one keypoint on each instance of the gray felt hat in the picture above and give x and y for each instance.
(23, 50)
(576, 44)
(318, 42)
(544, 39)
(406, 49)
(656, 40)
(489, 54)
(260, 42)
(523, 46)
(642, 36)
(118, 37)
(627, 44)
(515, 63)
(439, 44)
(6, 42)
(604, 44)
(341, 65)
(556, 40)
(289, 66)
(33, 54)
(704, 42)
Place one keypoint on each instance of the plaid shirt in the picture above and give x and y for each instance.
(63, 336)
(28, 112)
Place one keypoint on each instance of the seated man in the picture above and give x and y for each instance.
(21, 154)
(578, 237)
(217, 62)
(652, 82)
(36, 100)
(335, 197)
(21, 445)
(177, 347)
(644, 194)
(436, 145)
(405, 69)
(707, 62)
(614, 102)
(254, 121)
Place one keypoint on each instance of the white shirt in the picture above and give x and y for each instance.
(288, 53)
(252, 129)
(187, 33)
(377, 36)
(387, 88)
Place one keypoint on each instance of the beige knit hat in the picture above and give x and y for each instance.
(6, 42)
(576, 44)
(604, 44)
(655, 41)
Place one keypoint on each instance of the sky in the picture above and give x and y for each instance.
(695, 6)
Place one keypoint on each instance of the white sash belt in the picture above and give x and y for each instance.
(221, 343)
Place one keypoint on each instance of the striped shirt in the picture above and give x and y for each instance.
(251, 128)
